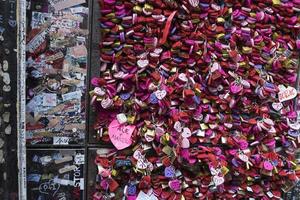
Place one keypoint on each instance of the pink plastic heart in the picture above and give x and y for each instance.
(120, 135)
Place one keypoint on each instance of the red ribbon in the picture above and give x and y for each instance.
(167, 28)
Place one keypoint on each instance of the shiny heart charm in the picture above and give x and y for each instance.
(143, 63)
(178, 126)
(287, 94)
(160, 94)
(185, 143)
(235, 88)
(194, 3)
(120, 135)
(99, 91)
(218, 180)
(106, 103)
(175, 185)
(186, 133)
(277, 106)
(182, 77)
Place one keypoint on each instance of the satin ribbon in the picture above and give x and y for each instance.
(167, 28)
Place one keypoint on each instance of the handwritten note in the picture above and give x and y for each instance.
(120, 135)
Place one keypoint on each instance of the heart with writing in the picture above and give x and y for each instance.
(277, 106)
(218, 180)
(286, 94)
(120, 135)
(160, 94)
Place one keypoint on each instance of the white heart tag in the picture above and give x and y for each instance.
(99, 91)
(149, 196)
(185, 143)
(194, 3)
(215, 67)
(182, 77)
(218, 180)
(138, 155)
(160, 94)
(142, 164)
(243, 157)
(287, 94)
(178, 126)
(277, 106)
(295, 126)
(143, 63)
(106, 103)
(186, 133)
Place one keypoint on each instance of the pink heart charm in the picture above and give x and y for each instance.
(175, 185)
(120, 135)
(234, 88)
(268, 166)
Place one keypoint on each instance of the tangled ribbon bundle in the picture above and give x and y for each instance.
(197, 99)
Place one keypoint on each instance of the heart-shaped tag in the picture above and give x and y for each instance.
(186, 133)
(287, 94)
(268, 165)
(194, 3)
(243, 157)
(138, 155)
(185, 143)
(106, 103)
(142, 164)
(178, 126)
(153, 99)
(99, 91)
(170, 172)
(214, 171)
(160, 94)
(218, 180)
(149, 196)
(235, 88)
(120, 135)
(182, 77)
(295, 126)
(215, 67)
(293, 133)
(125, 96)
(131, 189)
(175, 185)
(143, 63)
(277, 106)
